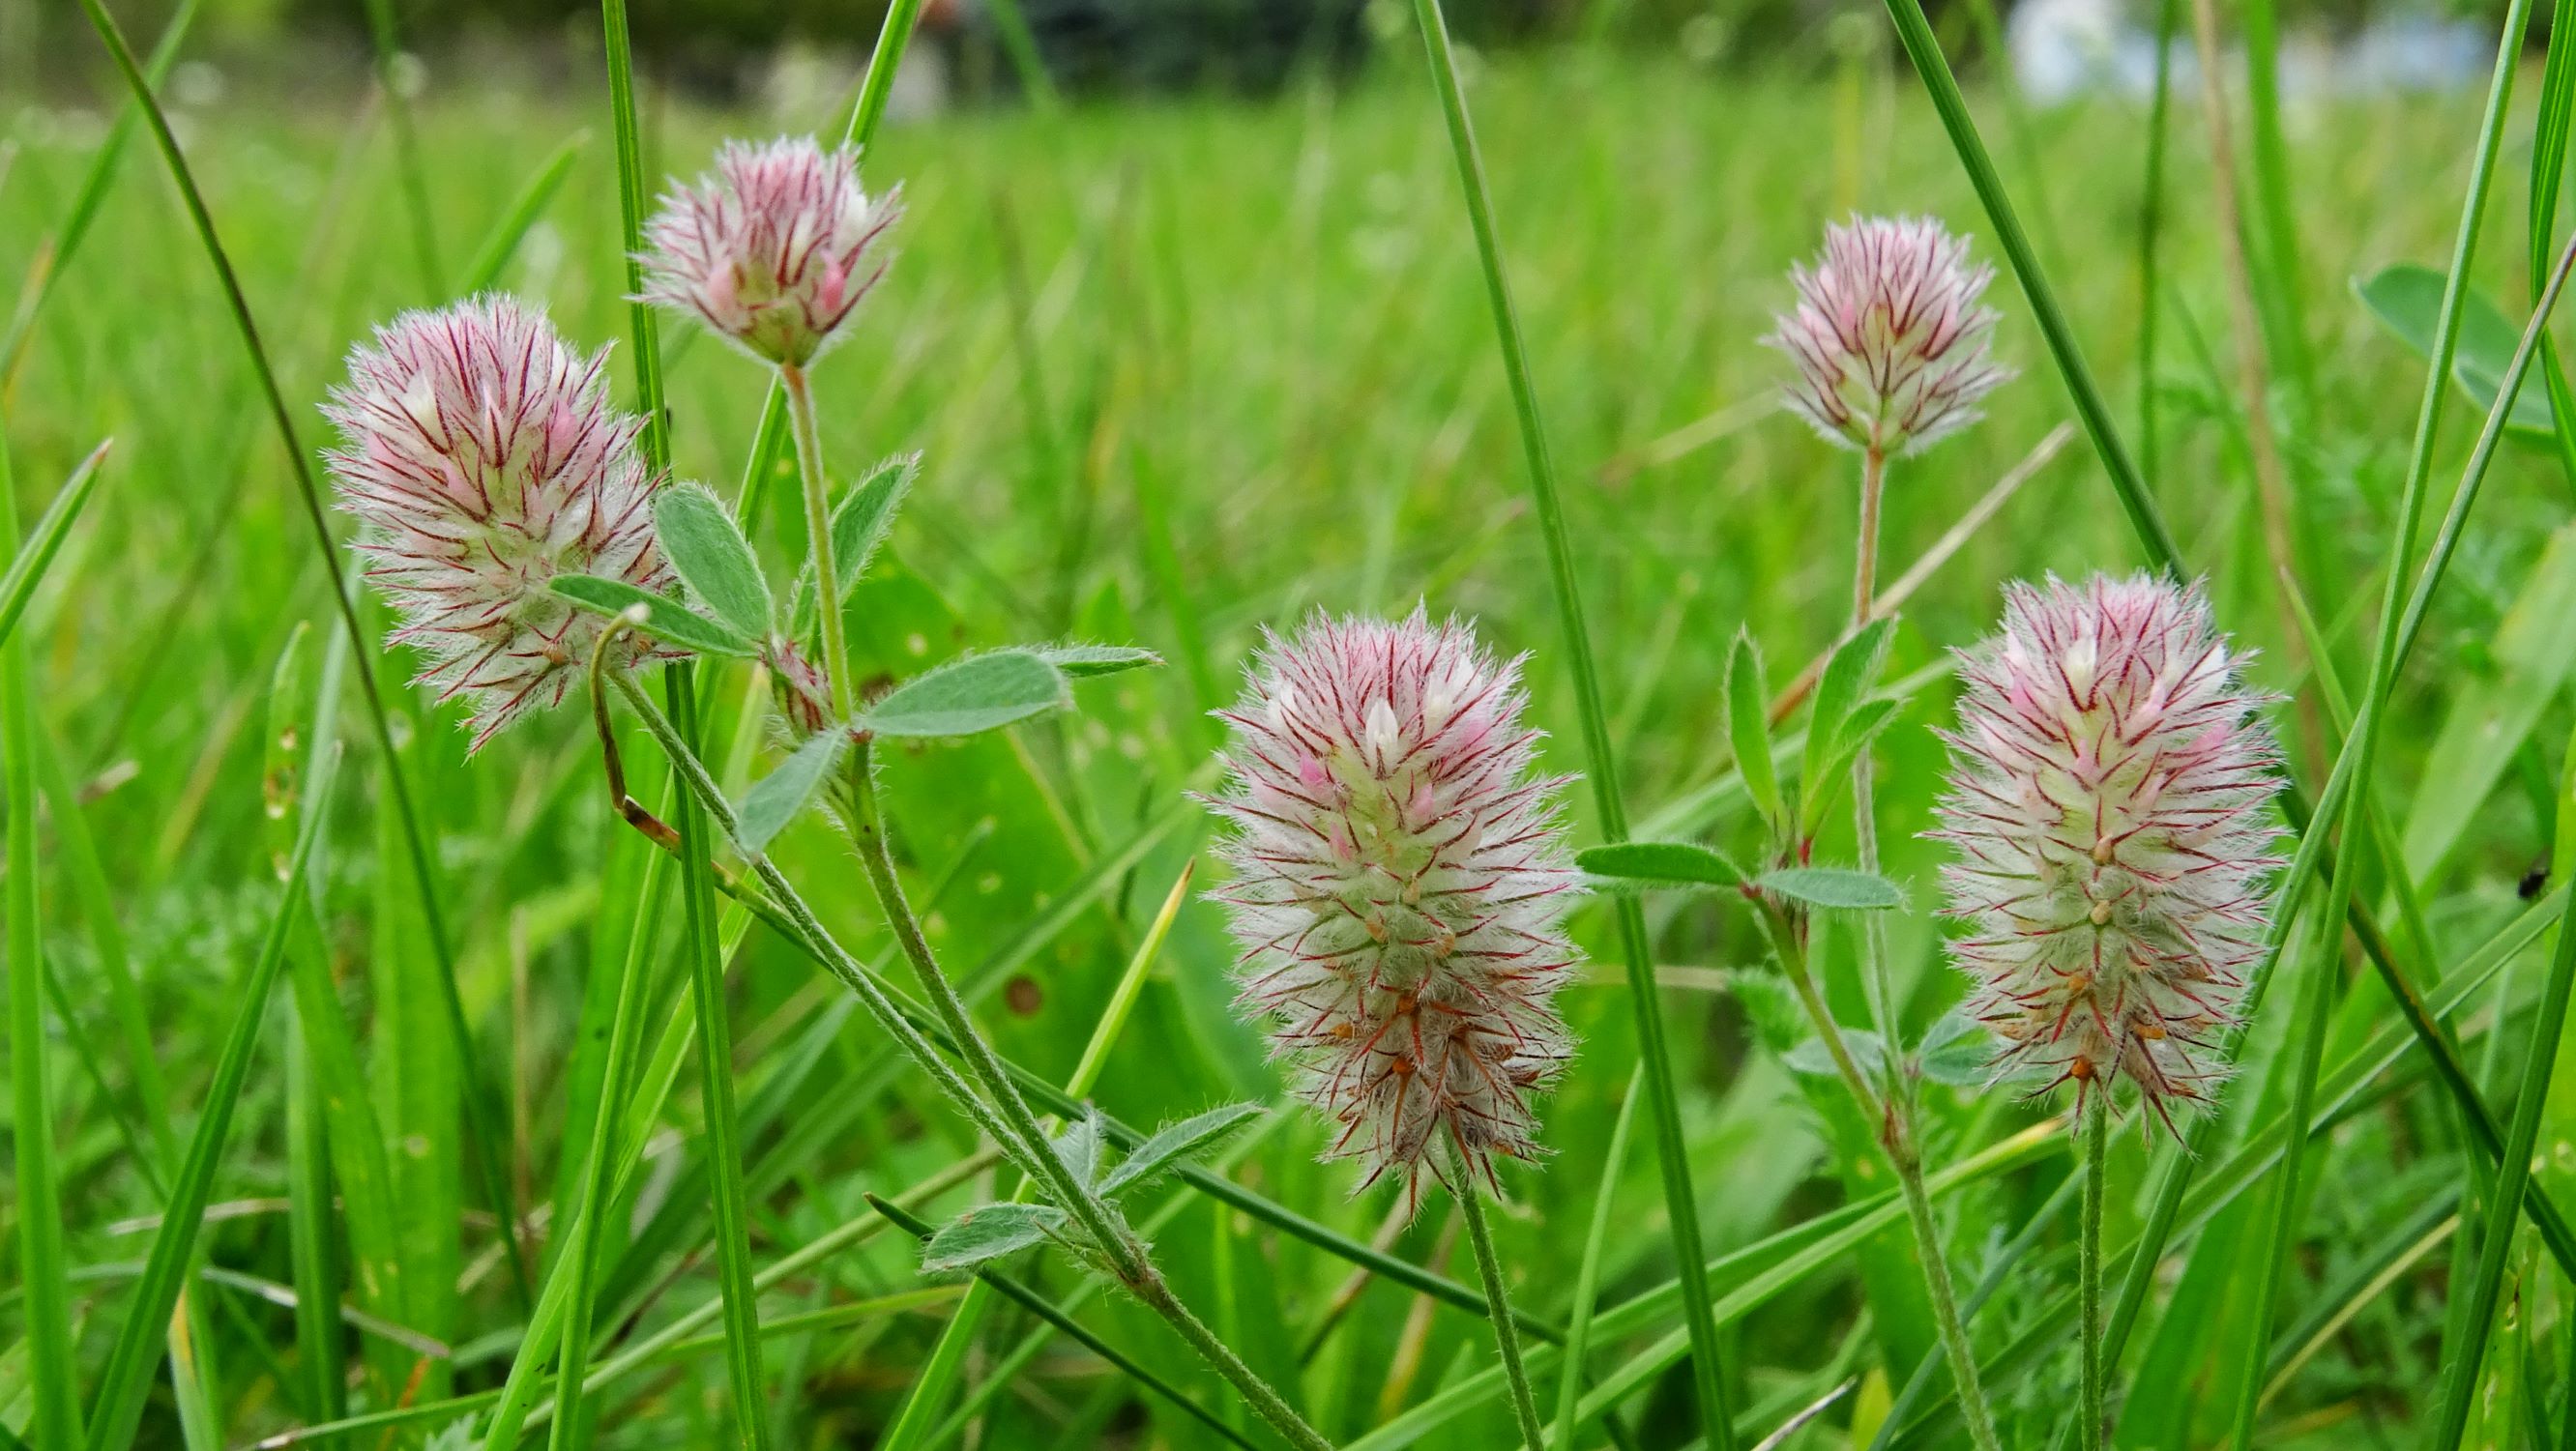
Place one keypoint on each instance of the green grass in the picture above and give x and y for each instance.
(1182, 369)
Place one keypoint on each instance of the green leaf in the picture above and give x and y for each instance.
(963, 697)
(865, 514)
(1814, 1059)
(982, 1235)
(2407, 300)
(27, 567)
(1748, 728)
(713, 559)
(1081, 662)
(1674, 863)
(1078, 1147)
(780, 797)
(1957, 1050)
(1847, 678)
(1185, 1140)
(665, 620)
(1836, 887)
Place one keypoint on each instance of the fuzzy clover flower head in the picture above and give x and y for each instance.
(481, 456)
(1400, 877)
(2110, 801)
(773, 249)
(1889, 340)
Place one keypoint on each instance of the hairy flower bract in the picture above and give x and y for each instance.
(1889, 339)
(773, 249)
(2109, 799)
(1400, 876)
(482, 457)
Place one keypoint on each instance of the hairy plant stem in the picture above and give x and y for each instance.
(1489, 1268)
(2088, 1273)
(1016, 1134)
(818, 530)
(1896, 1137)
(865, 819)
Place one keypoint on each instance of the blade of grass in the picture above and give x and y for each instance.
(1587, 1276)
(2503, 1216)
(697, 875)
(136, 1356)
(2549, 136)
(1663, 1094)
(29, 560)
(480, 1122)
(43, 1263)
(2361, 746)
(387, 41)
(502, 242)
(2151, 213)
(1914, 33)
(939, 1373)
(2283, 282)
(103, 164)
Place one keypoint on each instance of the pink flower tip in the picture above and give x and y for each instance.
(1400, 877)
(480, 455)
(1888, 339)
(2110, 790)
(774, 249)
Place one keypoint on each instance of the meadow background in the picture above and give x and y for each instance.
(1186, 365)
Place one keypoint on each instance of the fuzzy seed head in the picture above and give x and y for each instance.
(481, 456)
(1399, 879)
(2109, 798)
(773, 249)
(1888, 338)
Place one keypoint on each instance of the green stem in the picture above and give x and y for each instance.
(818, 530)
(1498, 1300)
(2088, 1249)
(1898, 1140)
(1256, 1392)
(867, 830)
(2151, 210)
(1716, 1414)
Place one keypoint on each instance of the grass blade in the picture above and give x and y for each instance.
(2503, 1216)
(407, 159)
(43, 1263)
(1914, 33)
(27, 565)
(103, 164)
(502, 242)
(1663, 1096)
(479, 1119)
(139, 1340)
(697, 876)
(1587, 1278)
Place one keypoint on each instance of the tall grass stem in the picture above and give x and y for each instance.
(1663, 1096)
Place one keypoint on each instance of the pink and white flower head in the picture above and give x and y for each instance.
(481, 455)
(1399, 879)
(2110, 790)
(773, 249)
(1888, 337)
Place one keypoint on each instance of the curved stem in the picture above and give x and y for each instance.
(1471, 1207)
(818, 534)
(866, 822)
(1256, 1392)
(1897, 1138)
(2097, 1150)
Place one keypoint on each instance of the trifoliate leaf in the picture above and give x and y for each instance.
(978, 693)
(781, 796)
(1184, 1140)
(706, 547)
(665, 620)
(979, 1236)
(1835, 887)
